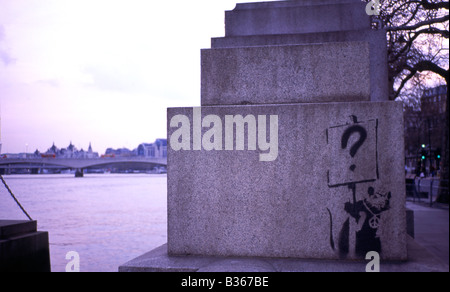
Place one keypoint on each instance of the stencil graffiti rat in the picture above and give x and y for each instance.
(367, 214)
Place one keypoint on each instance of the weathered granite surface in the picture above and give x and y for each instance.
(329, 72)
(377, 51)
(287, 17)
(317, 198)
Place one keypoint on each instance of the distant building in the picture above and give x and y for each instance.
(87, 154)
(121, 152)
(53, 150)
(425, 131)
(71, 152)
(157, 149)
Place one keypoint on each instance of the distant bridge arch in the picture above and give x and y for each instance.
(73, 163)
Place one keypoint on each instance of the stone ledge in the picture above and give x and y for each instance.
(157, 260)
(11, 228)
(286, 74)
(295, 17)
(22, 248)
(377, 47)
(296, 3)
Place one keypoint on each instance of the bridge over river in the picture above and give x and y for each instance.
(78, 164)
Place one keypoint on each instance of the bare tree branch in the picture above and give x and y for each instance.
(417, 31)
(420, 67)
(434, 6)
(419, 24)
(408, 44)
(430, 66)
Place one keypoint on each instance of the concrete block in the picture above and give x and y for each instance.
(375, 38)
(323, 181)
(157, 260)
(331, 72)
(288, 17)
(22, 248)
(10, 228)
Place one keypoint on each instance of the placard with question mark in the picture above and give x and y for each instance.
(353, 150)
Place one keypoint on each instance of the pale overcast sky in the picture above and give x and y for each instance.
(100, 71)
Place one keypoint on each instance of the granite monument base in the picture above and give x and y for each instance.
(321, 181)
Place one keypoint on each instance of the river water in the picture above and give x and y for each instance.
(108, 219)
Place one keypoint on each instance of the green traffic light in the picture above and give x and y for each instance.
(423, 157)
(423, 146)
(439, 157)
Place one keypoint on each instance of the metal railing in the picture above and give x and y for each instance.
(425, 189)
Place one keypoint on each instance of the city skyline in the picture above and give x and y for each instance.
(99, 71)
(78, 147)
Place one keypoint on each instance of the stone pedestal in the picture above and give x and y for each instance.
(300, 22)
(23, 248)
(295, 151)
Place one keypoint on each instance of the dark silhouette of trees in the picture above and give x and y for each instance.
(418, 50)
(417, 35)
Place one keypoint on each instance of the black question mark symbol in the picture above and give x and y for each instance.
(362, 137)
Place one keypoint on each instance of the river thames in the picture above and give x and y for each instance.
(108, 219)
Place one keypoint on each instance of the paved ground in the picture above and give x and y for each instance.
(431, 228)
(428, 252)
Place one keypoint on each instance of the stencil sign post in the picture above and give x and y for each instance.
(354, 153)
